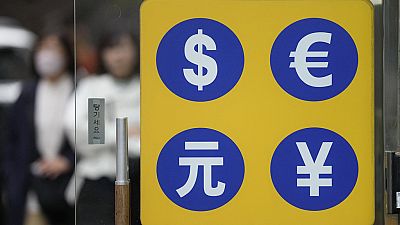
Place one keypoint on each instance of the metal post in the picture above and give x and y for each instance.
(390, 98)
(122, 186)
(122, 151)
(378, 79)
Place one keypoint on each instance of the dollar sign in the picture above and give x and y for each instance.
(202, 61)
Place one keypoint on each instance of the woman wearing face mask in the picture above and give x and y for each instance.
(38, 156)
(119, 86)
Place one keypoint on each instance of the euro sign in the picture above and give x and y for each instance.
(300, 59)
(201, 60)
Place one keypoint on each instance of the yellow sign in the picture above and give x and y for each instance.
(257, 112)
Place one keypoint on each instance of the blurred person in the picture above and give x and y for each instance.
(15, 47)
(96, 168)
(86, 54)
(38, 155)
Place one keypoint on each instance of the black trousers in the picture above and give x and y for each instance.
(51, 198)
(96, 204)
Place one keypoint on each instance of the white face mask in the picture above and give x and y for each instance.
(49, 63)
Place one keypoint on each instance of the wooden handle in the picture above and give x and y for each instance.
(122, 205)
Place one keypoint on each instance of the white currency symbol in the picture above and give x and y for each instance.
(207, 162)
(314, 169)
(300, 59)
(201, 60)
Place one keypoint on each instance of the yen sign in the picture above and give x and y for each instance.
(314, 169)
(200, 169)
(200, 59)
(314, 59)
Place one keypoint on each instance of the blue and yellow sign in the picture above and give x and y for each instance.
(257, 112)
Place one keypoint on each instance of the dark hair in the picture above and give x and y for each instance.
(65, 44)
(111, 39)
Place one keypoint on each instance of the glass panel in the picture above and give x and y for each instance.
(36, 82)
(108, 68)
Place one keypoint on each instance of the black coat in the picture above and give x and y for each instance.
(21, 150)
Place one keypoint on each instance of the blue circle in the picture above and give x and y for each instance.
(228, 57)
(342, 59)
(341, 159)
(172, 177)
